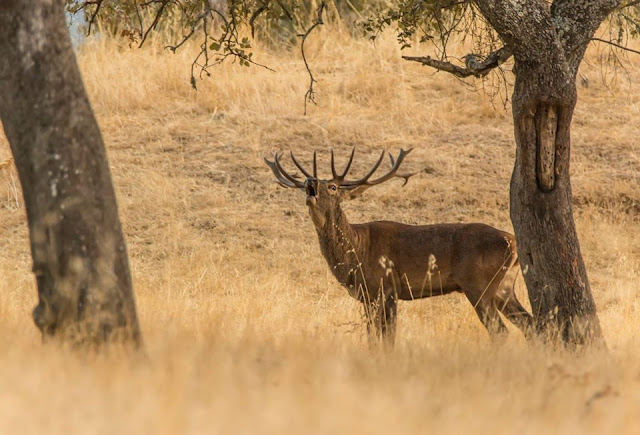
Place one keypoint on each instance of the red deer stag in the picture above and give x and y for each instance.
(381, 262)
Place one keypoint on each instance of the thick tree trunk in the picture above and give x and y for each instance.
(541, 210)
(548, 43)
(79, 253)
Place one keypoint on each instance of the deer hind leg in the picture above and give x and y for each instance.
(513, 310)
(490, 318)
(483, 301)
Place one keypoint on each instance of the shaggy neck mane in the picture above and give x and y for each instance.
(340, 245)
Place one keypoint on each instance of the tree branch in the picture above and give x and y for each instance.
(622, 47)
(286, 11)
(155, 21)
(628, 4)
(576, 21)
(263, 7)
(196, 21)
(310, 95)
(84, 6)
(472, 66)
(525, 26)
(93, 16)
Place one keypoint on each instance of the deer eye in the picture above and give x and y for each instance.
(333, 187)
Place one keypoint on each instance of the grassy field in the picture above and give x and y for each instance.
(246, 330)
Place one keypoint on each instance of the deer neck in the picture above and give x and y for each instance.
(340, 245)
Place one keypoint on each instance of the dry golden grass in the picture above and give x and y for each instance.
(246, 330)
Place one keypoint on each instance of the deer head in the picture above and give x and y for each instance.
(323, 197)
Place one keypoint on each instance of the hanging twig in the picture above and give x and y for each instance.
(94, 14)
(263, 7)
(155, 21)
(196, 21)
(309, 96)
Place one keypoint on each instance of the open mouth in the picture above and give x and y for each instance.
(310, 190)
(309, 187)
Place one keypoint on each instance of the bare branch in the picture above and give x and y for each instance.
(197, 20)
(472, 67)
(84, 6)
(140, 21)
(286, 11)
(310, 95)
(628, 4)
(263, 7)
(622, 47)
(98, 3)
(163, 5)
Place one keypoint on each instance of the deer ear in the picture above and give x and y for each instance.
(355, 192)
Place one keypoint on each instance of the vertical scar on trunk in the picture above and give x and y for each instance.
(546, 120)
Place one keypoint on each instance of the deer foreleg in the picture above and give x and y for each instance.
(390, 311)
(372, 317)
(381, 315)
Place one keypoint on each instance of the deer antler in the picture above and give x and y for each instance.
(287, 180)
(315, 166)
(395, 165)
(282, 177)
(340, 178)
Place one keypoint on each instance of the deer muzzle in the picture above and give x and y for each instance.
(311, 190)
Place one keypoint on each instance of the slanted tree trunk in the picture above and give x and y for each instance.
(79, 253)
(548, 44)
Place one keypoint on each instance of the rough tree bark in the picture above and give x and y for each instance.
(548, 44)
(79, 253)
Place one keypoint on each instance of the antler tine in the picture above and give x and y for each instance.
(368, 175)
(279, 178)
(405, 176)
(283, 178)
(346, 169)
(395, 164)
(315, 165)
(337, 177)
(299, 166)
(290, 178)
(333, 167)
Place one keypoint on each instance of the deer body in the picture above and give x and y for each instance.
(426, 260)
(382, 262)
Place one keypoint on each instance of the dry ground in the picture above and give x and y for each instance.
(246, 330)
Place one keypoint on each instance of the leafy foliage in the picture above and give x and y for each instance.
(222, 26)
(226, 27)
(434, 21)
(625, 22)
